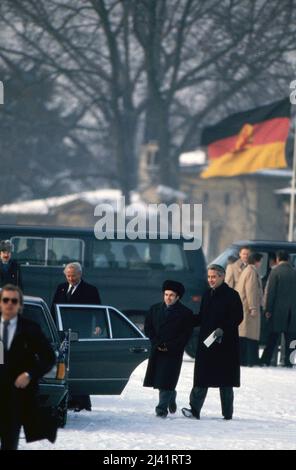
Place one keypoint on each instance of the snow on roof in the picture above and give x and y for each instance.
(285, 191)
(44, 206)
(285, 173)
(196, 157)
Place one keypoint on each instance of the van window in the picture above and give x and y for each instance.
(37, 251)
(66, 250)
(120, 327)
(30, 250)
(90, 323)
(139, 255)
(36, 314)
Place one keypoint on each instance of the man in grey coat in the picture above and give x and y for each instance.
(280, 308)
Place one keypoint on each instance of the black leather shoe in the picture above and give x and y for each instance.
(161, 414)
(188, 413)
(173, 407)
(227, 418)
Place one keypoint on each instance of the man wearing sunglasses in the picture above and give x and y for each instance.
(27, 357)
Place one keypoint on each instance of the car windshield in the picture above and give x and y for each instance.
(223, 258)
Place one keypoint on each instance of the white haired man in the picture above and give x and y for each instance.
(76, 291)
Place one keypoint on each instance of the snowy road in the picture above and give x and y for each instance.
(265, 417)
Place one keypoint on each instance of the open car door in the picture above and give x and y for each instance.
(108, 349)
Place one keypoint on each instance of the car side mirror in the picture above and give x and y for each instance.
(74, 336)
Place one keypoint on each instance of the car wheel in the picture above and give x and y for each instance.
(62, 412)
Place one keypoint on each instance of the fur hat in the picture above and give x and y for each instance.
(6, 245)
(175, 286)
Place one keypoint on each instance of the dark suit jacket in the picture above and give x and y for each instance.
(173, 330)
(84, 294)
(12, 275)
(30, 352)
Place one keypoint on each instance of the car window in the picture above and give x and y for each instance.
(121, 328)
(89, 322)
(293, 259)
(30, 250)
(65, 250)
(37, 251)
(264, 269)
(36, 314)
(139, 255)
(222, 259)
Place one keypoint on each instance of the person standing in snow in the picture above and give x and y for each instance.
(10, 271)
(168, 325)
(218, 365)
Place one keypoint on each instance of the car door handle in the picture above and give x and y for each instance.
(138, 350)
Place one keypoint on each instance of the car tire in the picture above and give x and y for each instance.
(62, 411)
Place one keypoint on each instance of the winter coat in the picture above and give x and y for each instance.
(281, 298)
(233, 272)
(219, 365)
(12, 275)
(29, 352)
(249, 288)
(172, 330)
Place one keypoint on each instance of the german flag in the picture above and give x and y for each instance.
(248, 141)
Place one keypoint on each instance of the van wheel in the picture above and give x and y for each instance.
(62, 412)
(191, 346)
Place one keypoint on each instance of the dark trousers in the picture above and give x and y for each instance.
(166, 397)
(10, 427)
(272, 342)
(198, 396)
(249, 352)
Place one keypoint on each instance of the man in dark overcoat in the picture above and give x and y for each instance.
(280, 307)
(76, 291)
(218, 365)
(27, 357)
(169, 326)
(10, 271)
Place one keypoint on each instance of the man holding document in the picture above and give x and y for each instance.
(217, 362)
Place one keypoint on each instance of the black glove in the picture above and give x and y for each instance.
(218, 334)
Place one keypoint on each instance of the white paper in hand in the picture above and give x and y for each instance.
(210, 339)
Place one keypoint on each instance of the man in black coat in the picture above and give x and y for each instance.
(27, 357)
(76, 291)
(280, 308)
(10, 271)
(169, 326)
(218, 365)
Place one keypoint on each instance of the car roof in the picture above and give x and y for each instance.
(276, 244)
(31, 298)
(43, 230)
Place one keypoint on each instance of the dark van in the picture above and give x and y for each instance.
(128, 273)
(267, 248)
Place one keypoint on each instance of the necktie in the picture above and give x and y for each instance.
(5, 334)
(69, 293)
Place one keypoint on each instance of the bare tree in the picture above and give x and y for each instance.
(174, 64)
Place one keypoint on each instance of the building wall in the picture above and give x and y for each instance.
(238, 208)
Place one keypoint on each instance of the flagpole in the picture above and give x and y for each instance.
(292, 198)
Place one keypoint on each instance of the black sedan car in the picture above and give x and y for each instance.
(104, 349)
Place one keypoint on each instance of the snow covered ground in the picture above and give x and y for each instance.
(265, 417)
